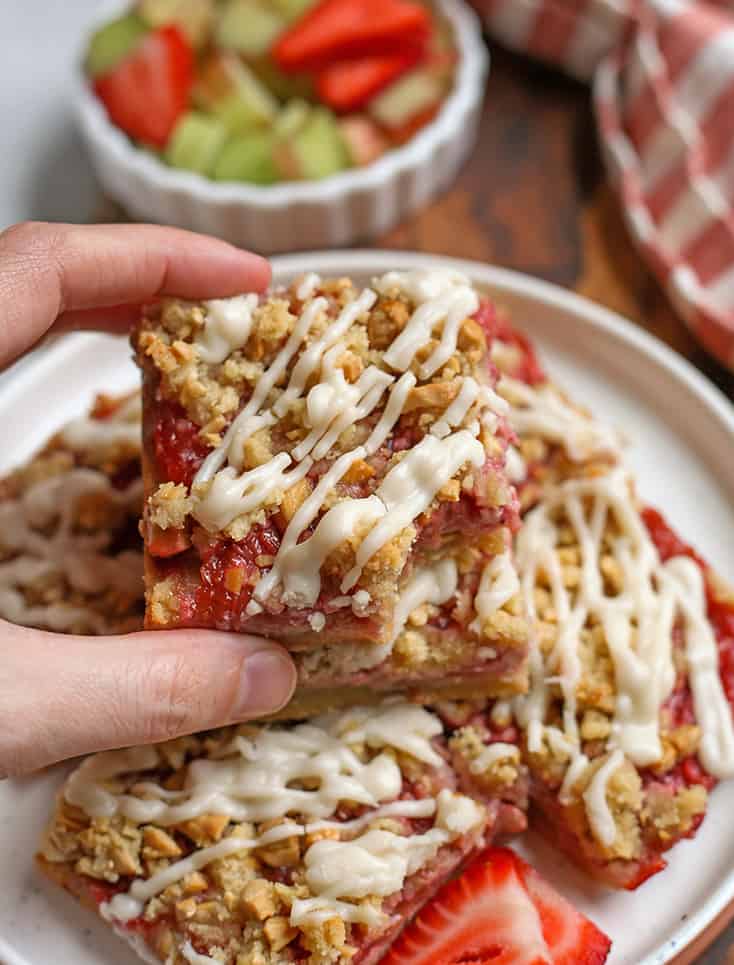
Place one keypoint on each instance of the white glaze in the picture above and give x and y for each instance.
(638, 625)
(600, 816)
(78, 557)
(491, 754)
(222, 492)
(227, 327)
(434, 584)
(497, 586)
(542, 411)
(411, 486)
(251, 780)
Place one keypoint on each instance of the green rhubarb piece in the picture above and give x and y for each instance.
(318, 148)
(291, 119)
(111, 44)
(196, 143)
(409, 96)
(283, 86)
(195, 17)
(228, 88)
(293, 9)
(249, 105)
(248, 26)
(248, 157)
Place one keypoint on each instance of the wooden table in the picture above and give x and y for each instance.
(533, 197)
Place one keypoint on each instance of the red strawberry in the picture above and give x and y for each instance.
(499, 912)
(485, 917)
(147, 93)
(571, 938)
(348, 85)
(336, 30)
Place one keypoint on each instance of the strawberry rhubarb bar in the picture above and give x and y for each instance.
(313, 842)
(627, 724)
(70, 553)
(325, 465)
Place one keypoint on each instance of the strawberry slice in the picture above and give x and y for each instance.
(499, 912)
(349, 84)
(485, 917)
(571, 938)
(339, 29)
(147, 93)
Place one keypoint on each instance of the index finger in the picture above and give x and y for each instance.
(51, 270)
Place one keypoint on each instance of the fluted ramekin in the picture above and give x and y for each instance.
(355, 205)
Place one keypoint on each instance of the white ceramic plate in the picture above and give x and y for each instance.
(682, 432)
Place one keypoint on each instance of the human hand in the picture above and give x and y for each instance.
(66, 695)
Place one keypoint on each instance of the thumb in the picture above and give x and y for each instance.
(61, 696)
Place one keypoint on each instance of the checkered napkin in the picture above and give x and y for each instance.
(663, 81)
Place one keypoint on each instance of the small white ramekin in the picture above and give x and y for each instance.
(339, 210)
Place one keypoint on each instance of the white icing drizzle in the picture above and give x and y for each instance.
(307, 286)
(229, 494)
(333, 405)
(341, 519)
(122, 427)
(227, 327)
(241, 427)
(638, 623)
(391, 413)
(497, 586)
(434, 584)
(195, 958)
(454, 415)
(310, 358)
(77, 557)
(516, 466)
(377, 862)
(250, 780)
(490, 754)
(253, 786)
(712, 709)
(542, 411)
(410, 487)
(595, 799)
(442, 296)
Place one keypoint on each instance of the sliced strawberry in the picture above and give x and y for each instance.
(571, 938)
(338, 29)
(485, 917)
(147, 93)
(349, 84)
(499, 912)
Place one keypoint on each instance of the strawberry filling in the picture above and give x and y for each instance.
(528, 369)
(721, 616)
(179, 451)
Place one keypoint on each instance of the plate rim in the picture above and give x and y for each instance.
(718, 904)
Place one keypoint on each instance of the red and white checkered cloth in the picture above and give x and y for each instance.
(663, 80)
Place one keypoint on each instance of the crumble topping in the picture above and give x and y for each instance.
(614, 630)
(262, 837)
(339, 371)
(69, 553)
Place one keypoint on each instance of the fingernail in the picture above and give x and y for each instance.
(267, 683)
